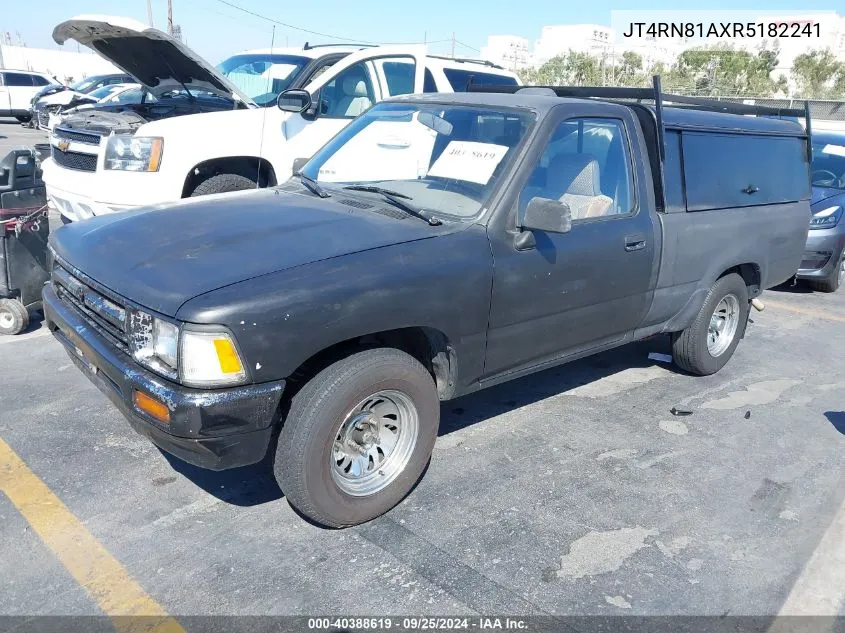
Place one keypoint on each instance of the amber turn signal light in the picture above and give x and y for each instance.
(152, 407)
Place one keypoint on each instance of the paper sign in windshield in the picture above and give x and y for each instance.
(836, 150)
(468, 160)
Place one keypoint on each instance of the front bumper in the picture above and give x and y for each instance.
(823, 253)
(216, 429)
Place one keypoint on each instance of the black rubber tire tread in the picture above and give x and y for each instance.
(317, 410)
(222, 183)
(689, 347)
(24, 119)
(20, 316)
(828, 284)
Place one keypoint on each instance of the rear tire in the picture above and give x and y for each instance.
(831, 283)
(222, 183)
(379, 402)
(14, 317)
(710, 341)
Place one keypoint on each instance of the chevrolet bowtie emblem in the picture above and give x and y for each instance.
(63, 145)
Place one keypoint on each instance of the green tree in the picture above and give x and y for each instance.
(724, 71)
(571, 69)
(818, 75)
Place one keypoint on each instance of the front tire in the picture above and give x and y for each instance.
(710, 341)
(14, 317)
(24, 119)
(358, 437)
(831, 283)
(223, 183)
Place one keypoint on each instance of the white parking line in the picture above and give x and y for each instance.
(820, 589)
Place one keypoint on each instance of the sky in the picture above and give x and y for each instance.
(215, 29)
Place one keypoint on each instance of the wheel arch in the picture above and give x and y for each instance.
(252, 167)
(429, 346)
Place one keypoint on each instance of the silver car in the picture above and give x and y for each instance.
(823, 264)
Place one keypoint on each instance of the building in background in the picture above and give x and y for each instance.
(66, 66)
(594, 39)
(509, 51)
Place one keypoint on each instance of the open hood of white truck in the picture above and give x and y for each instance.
(158, 61)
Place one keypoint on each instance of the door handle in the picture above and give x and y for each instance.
(634, 243)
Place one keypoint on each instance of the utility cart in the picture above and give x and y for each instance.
(23, 239)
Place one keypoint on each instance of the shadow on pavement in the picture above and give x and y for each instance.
(837, 419)
(245, 486)
(482, 405)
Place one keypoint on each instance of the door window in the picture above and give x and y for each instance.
(349, 94)
(586, 165)
(18, 79)
(399, 75)
(38, 80)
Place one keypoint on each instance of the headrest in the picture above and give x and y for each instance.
(354, 86)
(575, 174)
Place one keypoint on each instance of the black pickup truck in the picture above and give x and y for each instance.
(438, 245)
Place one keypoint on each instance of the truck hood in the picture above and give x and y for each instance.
(163, 256)
(158, 61)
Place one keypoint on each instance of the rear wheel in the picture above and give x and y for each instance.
(358, 437)
(222, 183)
(833, 281)
(709, 342)
(14, 317)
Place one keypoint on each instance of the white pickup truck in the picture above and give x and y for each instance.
(104, 162)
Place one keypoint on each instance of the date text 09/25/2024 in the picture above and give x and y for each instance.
(422, 623)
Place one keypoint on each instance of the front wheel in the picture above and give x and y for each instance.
(358, 437)
(223, 183)
(710, 341)
(24, 119)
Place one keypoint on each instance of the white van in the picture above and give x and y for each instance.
(17, 88)
(102, 163)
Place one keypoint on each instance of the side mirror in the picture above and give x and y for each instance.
(543, 214)
(294, 101)
(298, 164)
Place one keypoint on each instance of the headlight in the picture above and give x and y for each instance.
(154, 343)
(826, 218)
(133, 153)
(210, 359)
(199, 358)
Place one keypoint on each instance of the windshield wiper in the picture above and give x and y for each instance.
(398, 199)
(312, 186)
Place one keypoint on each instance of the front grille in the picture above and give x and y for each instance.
(106, 315)
(75, 160)
(43, 117)
(89, 138)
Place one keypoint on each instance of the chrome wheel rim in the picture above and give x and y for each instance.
(374, 443)
(723, 325)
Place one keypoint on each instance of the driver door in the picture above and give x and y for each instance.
(349, 88)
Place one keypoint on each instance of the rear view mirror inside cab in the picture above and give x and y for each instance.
(294, 101)
(436, 123)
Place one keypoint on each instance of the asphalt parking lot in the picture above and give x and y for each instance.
(574, 491)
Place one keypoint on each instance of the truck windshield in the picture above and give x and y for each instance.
(829, 164)
(262, 76)
(444, 158)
